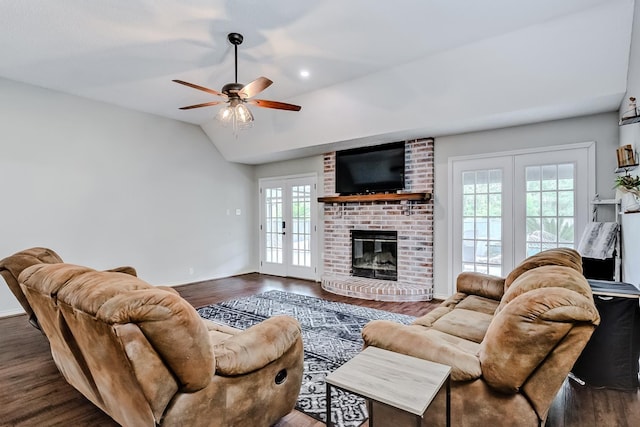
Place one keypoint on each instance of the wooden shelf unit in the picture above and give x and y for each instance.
(382, 197)
(629, 120)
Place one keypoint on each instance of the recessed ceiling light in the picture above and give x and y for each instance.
(304, 73)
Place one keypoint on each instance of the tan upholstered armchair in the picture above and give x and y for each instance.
(510, 350)
(12, 266)
(144, 356)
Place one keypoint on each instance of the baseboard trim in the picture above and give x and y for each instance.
(440, 296)
(9, 313)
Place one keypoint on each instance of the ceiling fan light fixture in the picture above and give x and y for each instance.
(235, 115)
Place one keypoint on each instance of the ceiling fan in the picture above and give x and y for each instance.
(237, 95)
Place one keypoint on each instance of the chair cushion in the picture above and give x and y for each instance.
(427, 344)
(467, 324)
(479, 304)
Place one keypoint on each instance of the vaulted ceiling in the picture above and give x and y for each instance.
(378, 71)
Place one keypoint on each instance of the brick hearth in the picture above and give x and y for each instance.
(412, 220)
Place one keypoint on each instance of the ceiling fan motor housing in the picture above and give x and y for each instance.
(232, 89)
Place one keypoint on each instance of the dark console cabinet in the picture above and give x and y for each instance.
(610, 358)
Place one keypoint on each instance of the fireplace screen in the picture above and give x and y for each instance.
(374, 254)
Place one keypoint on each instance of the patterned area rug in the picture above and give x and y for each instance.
(331, 336)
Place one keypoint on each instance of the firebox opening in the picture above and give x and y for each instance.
(374, 254)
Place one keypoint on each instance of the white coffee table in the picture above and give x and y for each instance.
(403, 382)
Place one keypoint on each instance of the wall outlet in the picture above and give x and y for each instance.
(191, 271)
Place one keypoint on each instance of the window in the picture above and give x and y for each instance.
(508, 206)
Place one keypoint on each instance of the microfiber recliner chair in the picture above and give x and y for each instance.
(511, 342)
(143, 355)
(12, 266)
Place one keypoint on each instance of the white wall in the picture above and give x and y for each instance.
(602, 128)
(104, 186)
(630, 134)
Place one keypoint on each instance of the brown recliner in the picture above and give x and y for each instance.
(13, 265)
(144, 356)
(510, 342)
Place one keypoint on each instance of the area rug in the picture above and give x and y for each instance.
(331, 336)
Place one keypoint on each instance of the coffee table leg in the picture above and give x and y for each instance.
(328, 403)
(449, 402)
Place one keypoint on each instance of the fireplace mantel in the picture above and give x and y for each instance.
(377, 197)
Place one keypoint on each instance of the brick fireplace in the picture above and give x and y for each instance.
(410, 221)
(374, 254)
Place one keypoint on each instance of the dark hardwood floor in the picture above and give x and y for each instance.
(33, 393)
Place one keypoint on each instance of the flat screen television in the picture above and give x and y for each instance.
(375, 169)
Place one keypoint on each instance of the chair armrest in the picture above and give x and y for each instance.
(220, 327)
(480, 284)
(423, 343)
(257, 346)
(124, 269)
(168, 289)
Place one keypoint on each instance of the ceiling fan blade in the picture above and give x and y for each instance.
(206, 104)
(255, 87)
(211, 91)
(274, 104)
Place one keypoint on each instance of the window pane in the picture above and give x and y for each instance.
(495, 228)
(565, 203)
(469, 228)
(481, 228)
(468, 205)
(482, 182)
(550, 230)
(533, 204)
(495, 181)
(549, 177)
(533, 225)
(495, 205)
(468, 182)
(566, 231)
(273, 225)
(550, 210)
(565, 176)
(482, 221)
(467, 251)
(549, 203)
(481, 205)
(532, 174)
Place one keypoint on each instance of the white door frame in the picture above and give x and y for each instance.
(590, 191)
(286, 181)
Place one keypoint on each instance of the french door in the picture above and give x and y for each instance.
(507, 207)
(288, 232)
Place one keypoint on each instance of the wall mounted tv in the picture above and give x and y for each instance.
(375, 169)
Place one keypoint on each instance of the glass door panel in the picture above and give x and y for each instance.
(288, 227)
